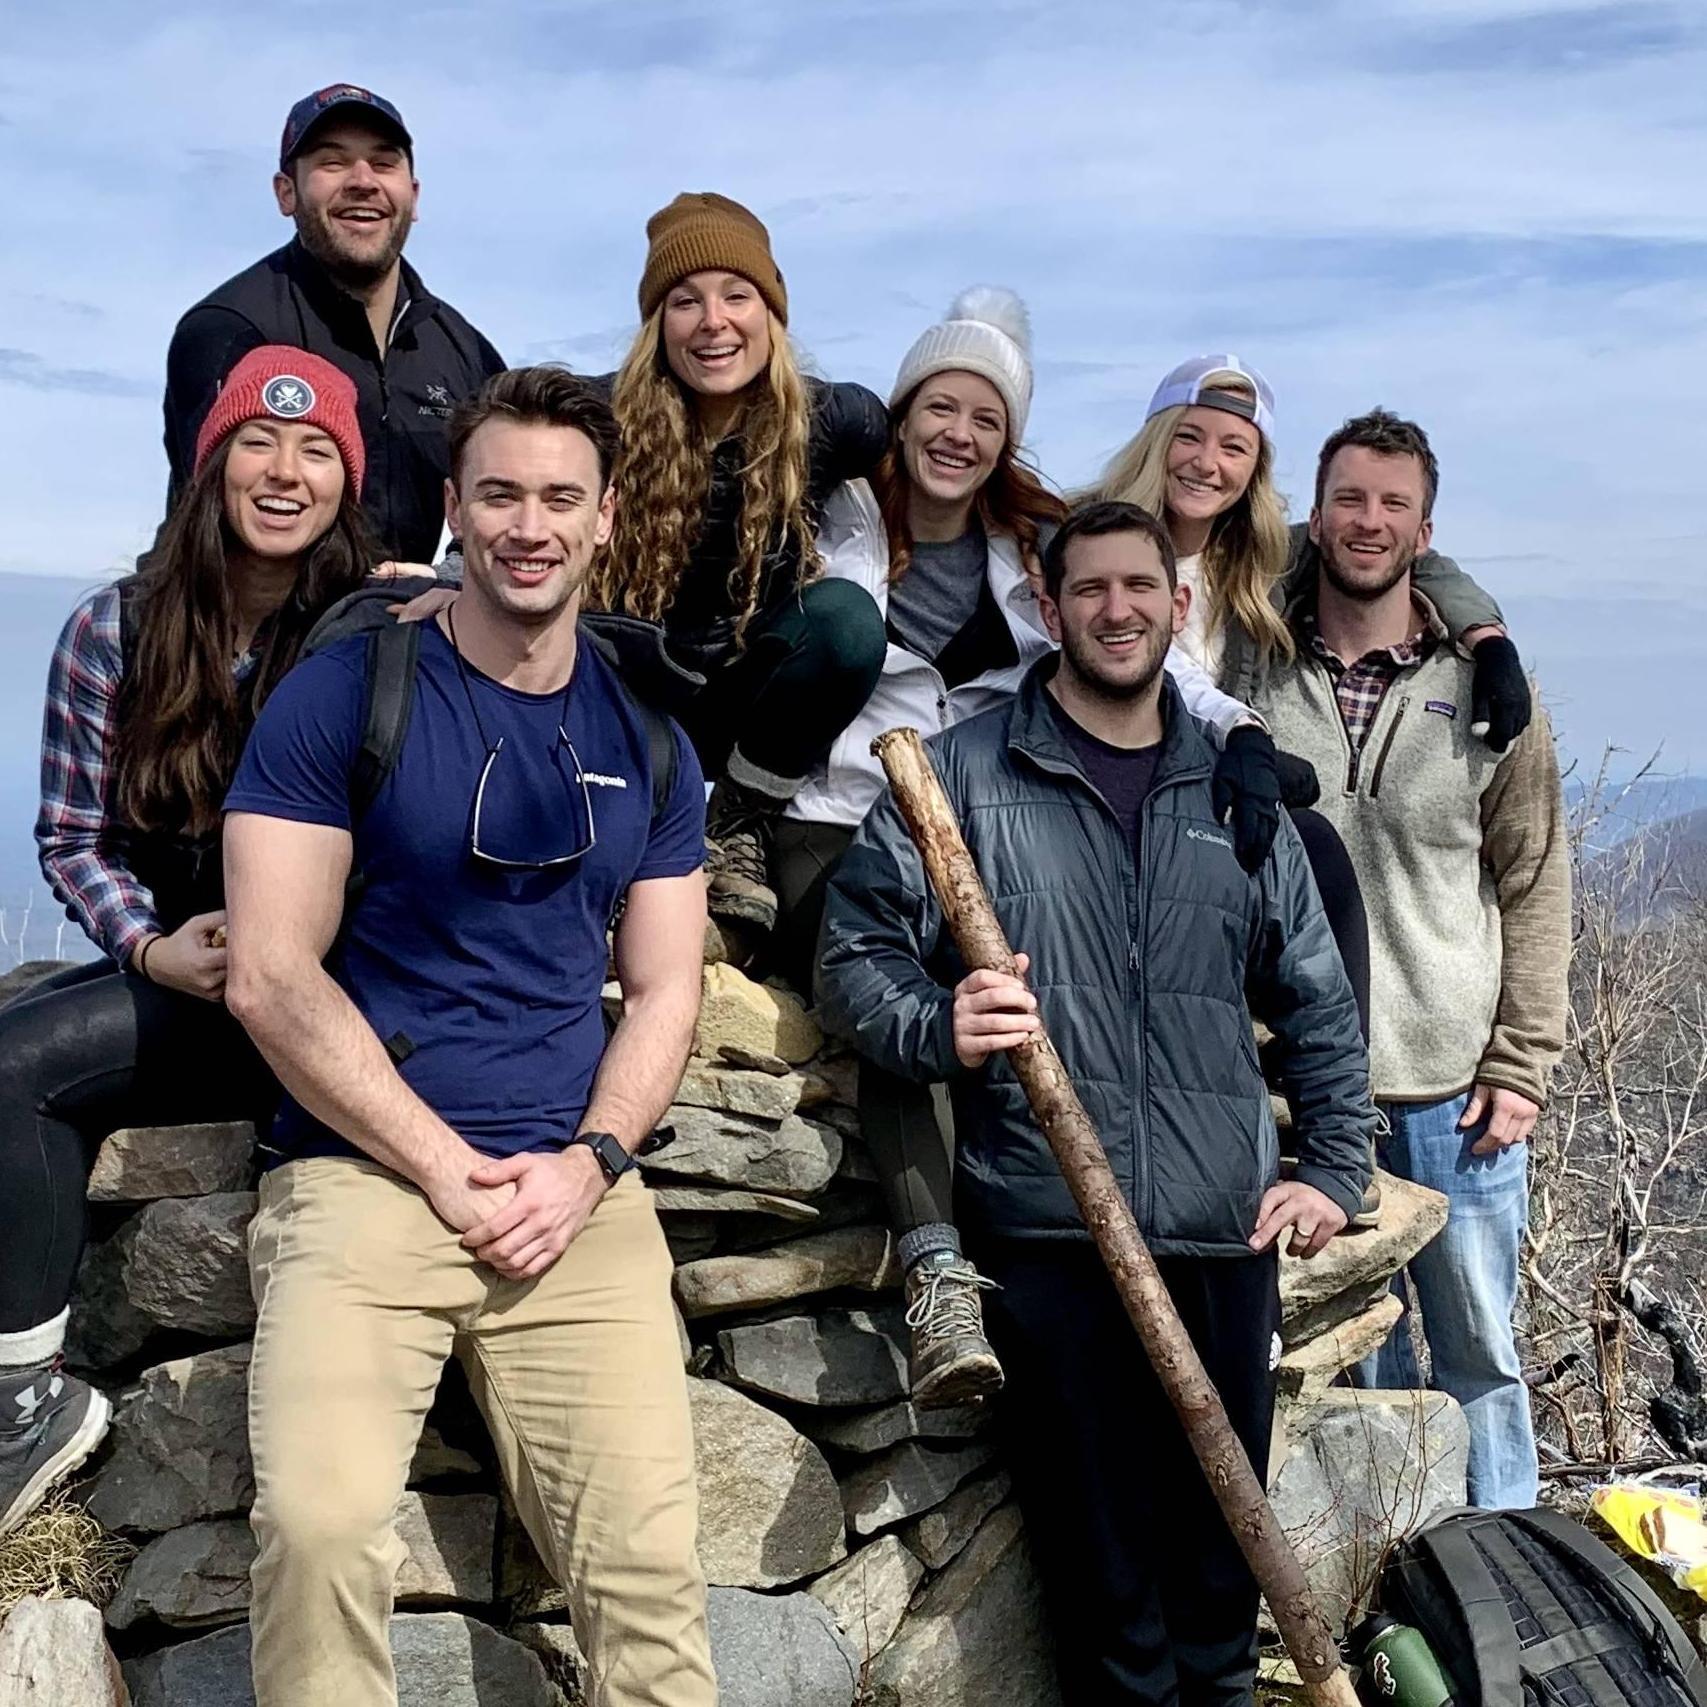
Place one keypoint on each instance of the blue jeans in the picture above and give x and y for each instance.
(1466, 1282)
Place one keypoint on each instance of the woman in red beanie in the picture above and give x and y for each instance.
(154, 684)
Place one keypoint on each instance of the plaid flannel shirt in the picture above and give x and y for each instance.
(1360, 687)
(81, 848)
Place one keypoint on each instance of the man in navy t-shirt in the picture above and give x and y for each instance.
(452, 1165)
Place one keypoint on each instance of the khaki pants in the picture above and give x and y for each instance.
(363, 1292)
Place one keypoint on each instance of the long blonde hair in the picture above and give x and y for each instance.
(1248, 544)
(663, 480)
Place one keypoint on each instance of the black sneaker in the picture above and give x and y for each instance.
(951, 1362)
(49, 1423)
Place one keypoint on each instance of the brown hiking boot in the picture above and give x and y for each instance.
(738, 837)
(951, 1362)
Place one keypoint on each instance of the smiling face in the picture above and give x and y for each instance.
(530, 509)
(1371, 522)
(952, 434)
(1211, 461)
(1114, 615)
(352, 194)
(717, 333)
(282, 485)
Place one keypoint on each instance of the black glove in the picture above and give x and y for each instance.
(1246, 793)
(1500, 703)
(1299, 784)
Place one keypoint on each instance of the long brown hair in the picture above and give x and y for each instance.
(1248, 544)
(663, 479)
(1013, 501)
(181, 717)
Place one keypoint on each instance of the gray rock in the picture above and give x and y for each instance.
(189, 1266)
(105, 1327)
(906, 1480)
(976, 1634)
(28, 973)
(443, 1660)
(940, 1534)
(857, 1257)
(199, 1575)
(139, 1163)
(53, 1653)
(769, 1509)
(838, 1357)
(181, 1445)
(776, 1651)
(794, 1157)
(867, 1594)
(770, 1096)
(1365, 1469)
(721, 1200)
(752, 1060)
(1348, 1275)
(871, 1431)
(558, 1652)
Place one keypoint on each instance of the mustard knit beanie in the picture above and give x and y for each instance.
(699, 231)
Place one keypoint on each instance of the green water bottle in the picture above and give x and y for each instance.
(1399, 1670)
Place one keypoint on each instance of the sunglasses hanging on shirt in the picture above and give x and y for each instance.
(503, 819)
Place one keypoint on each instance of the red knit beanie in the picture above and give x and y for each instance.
(288, 384)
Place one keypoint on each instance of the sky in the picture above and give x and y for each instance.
(1490, 215)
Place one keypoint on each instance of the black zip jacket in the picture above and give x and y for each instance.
(848, 435)
(433, 361)
(1146, 972)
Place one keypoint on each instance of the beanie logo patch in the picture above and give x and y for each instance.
(287, 396)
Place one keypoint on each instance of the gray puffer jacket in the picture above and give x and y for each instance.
(1143, 971)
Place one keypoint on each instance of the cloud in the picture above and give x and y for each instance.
(19, 367)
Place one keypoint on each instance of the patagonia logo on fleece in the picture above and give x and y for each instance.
(1198, 835)
(1444, 706)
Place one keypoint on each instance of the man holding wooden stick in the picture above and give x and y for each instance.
(1088, 810)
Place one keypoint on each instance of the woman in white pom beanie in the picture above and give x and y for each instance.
(946, 537)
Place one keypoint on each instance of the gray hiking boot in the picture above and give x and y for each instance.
(951, 1362)
(49, 1423)
(738, 833)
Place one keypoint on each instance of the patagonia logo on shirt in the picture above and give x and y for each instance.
(1444, 706)
(600, 780)
(1198, 835)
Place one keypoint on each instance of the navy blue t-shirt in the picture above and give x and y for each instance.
(492, 977)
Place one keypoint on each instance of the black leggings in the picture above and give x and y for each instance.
(912, 1155)
(83, 1053)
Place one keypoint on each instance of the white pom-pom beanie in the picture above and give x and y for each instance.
(987, 332)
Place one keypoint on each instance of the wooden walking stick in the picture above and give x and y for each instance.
(978, 935)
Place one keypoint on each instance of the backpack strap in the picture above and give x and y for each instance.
(392, 655)
(1452, 1552)
(661, 751)
(130, 618)
(1643, 1608)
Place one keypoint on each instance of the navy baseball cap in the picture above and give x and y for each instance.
(311, 109)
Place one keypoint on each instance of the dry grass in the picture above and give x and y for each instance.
(61, 1553)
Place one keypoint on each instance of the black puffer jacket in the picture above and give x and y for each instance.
(849, 432)
(1143, 978)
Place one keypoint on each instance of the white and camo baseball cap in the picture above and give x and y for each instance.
(1189, 383)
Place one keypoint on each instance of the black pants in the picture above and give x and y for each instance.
(1147, 1592)
(805, 673)
(1342, 901)
(83, 1053)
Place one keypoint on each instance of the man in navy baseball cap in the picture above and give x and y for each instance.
(347, 101)
(342, 289)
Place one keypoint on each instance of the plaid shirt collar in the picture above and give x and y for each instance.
(1360, 686)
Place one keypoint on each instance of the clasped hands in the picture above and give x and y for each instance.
(520, 1213)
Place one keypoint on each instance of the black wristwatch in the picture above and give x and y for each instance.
(613, 1158)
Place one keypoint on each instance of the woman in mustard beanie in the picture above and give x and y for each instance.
(728, 453)
(154, 684)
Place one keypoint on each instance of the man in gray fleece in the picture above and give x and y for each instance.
(1461, 855)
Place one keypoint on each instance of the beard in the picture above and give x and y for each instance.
(1080, 654)
(1364, 585)
(358, 269)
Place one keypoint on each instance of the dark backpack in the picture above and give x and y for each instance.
(633, 648)
(1528, 1609)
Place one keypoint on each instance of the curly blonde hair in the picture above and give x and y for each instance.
(1248, 544)
(663, 480)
